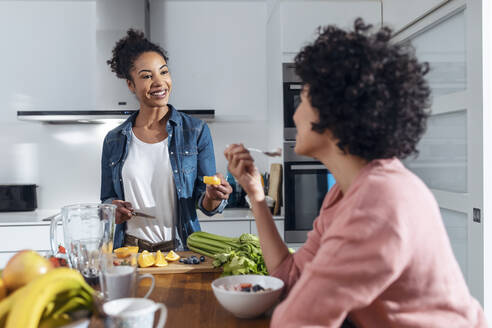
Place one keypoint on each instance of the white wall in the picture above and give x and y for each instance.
(217, 59)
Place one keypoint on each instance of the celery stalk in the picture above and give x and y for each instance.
(200, 251)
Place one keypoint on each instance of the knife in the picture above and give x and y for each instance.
(143, 215)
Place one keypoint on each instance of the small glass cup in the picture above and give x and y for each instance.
(119, 278)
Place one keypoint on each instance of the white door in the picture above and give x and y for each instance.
(451, 152)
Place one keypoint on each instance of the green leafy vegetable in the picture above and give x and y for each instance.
(237, 255)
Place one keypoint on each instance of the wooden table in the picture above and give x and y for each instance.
(191, 303)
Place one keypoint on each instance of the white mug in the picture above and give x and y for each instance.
(133, 313)
(121, 281)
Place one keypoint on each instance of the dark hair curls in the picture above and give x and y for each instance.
(370, 93)
(128, 49)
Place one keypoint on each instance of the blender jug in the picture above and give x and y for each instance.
(88, 230)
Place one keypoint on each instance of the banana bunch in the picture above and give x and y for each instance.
(45, 301)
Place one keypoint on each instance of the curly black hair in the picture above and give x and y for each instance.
(128, 49)
(370, 93)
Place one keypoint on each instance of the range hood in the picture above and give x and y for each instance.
(95, 116)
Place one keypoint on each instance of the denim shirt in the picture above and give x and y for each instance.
(191, 153)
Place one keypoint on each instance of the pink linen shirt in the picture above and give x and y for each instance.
(379, 254)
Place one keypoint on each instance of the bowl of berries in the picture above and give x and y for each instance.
(247, 296)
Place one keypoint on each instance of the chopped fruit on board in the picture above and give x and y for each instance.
(126, 251)
(146, 259)
(160, 261)
(172, 256)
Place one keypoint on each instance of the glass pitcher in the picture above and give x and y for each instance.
(88, 230)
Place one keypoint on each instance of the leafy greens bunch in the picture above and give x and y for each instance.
(237, 255)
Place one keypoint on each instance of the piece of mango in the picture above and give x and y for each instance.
(211, 180)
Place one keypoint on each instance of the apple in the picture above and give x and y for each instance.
(24, 267)
(3, 290)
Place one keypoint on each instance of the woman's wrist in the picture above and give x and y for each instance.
(256, 196)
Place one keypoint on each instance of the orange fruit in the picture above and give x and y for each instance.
(146, 259)
(171, 256)
(160, 261)
(126, 251)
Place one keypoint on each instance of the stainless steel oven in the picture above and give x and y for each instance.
(306, 183)
(292, 96)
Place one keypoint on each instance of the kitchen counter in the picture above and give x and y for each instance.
(191, 303)
(26, 218)
(36, 217)
(231, 214)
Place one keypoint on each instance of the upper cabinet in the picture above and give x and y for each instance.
(114, 18)
(48, 54)
(216, 55)
(398, 13)
(300, 19)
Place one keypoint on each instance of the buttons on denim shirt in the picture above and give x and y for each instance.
(172, 153)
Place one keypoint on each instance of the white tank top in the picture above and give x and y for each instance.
(148, 184)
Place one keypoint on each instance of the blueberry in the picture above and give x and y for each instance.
(202, 258)
(181, 260)
(186, 261)
(193, 257)
(246, 289)
(195, 261)
(257, 288)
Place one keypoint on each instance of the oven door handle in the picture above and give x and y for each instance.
(308, 167)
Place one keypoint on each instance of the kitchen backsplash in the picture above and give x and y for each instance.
(64, 160)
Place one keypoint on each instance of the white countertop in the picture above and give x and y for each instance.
(35, 217)
(231, 214)
(26, 218)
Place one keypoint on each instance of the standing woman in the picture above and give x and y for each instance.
(378, 252)
(155, 161)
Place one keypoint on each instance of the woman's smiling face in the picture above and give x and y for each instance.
(151, 80)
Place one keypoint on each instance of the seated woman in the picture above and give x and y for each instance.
(155, 161)
(378, 252)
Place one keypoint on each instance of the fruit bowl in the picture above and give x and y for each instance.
(247, 304)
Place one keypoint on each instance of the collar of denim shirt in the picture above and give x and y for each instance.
(125, 128)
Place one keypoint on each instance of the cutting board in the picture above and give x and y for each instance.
(177, 267)
(275, 186)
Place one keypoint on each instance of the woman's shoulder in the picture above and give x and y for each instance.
(118, 132)
(190, 122)
(389, 176)
(389, 187)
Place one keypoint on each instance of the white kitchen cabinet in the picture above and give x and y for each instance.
(48, 55)
(226, 228)
(398, 13)
(300, 19)
(114, 18)
(14, 238)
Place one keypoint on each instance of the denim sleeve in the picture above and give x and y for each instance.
(206, 166)
(107, 190)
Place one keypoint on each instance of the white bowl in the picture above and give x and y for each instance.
(244, 304)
